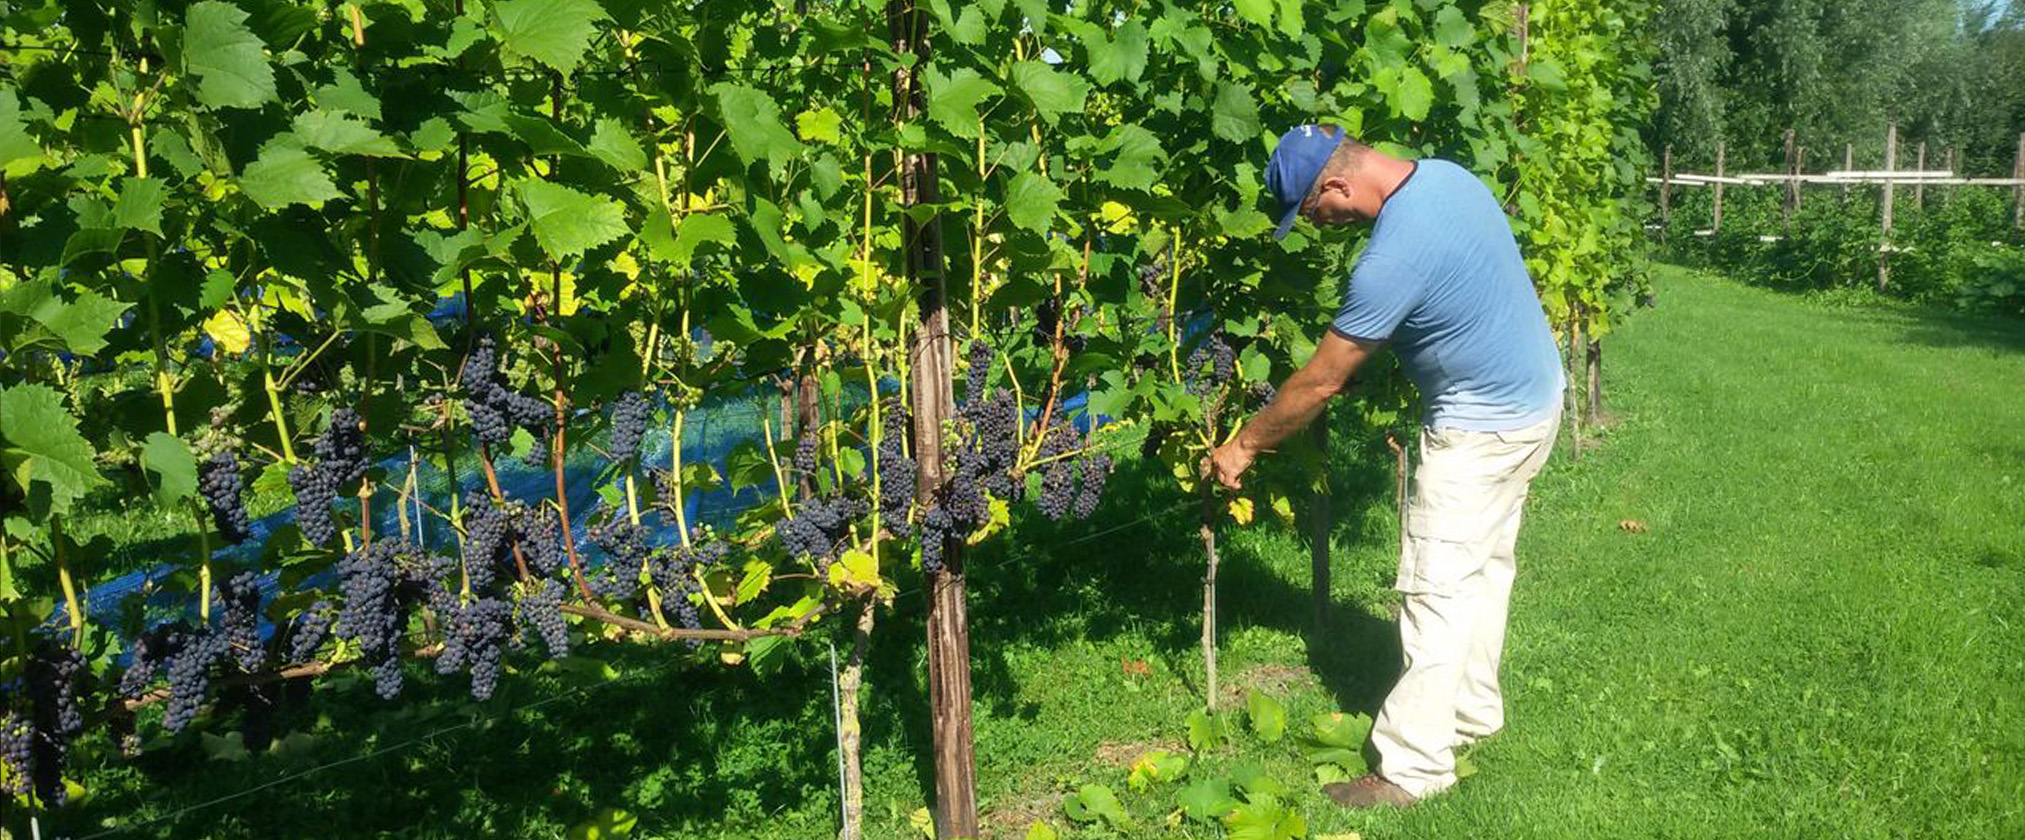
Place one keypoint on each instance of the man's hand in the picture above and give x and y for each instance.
(1230, 461)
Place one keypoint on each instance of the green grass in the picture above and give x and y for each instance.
(1821, 633)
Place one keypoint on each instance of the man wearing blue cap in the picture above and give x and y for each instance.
(1442, 283)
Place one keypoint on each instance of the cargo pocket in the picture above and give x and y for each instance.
(1434, 566)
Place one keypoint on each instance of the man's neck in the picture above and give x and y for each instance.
(1385, 174)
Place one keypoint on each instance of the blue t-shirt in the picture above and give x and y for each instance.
(1443, 283)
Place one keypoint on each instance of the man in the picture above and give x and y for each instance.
(1442, 283)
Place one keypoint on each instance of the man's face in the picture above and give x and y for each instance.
(1334, 204)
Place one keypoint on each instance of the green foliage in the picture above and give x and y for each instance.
(237, 218)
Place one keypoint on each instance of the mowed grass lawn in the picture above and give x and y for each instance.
(1819, 631)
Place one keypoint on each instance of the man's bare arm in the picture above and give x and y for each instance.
(1299, 400)
(1304, 394)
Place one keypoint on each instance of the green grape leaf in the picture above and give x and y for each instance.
(139, 206)
(339, 134)
(1205, 731)
(175, 469)
(753, 120)
(567, 222)
(80, 324)
(1122, 57)
(1138, 153)
(39, 444)
(953, 99)
(15, 142)
(228, 60)
(699, 229)
(1336, 729)
(344, 93)
(614, 145)
(1452, 30)
(553, 32)
(1414, 94)
(1031, 201)
(1262, 817)
(1235, 115)
(1092, 803)
(1206, 799)
(1292, 21)
(1053, 93)
(286, 174)
(1259, 12)
(820, 125)
(1268, 716)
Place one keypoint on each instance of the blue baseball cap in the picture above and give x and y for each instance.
(1295, 165)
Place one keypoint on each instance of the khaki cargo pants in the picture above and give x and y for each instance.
(1455, 577)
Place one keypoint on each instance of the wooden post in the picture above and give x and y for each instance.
(1665, 186)
(1799, 165)
(1884, 237)
(1848, 162)
(1920, 189)
(1948, 163)
(2018, 192)
(932, 359)
(1324, 520)
(1792, 186)
(1595, 360)
(1717, 226)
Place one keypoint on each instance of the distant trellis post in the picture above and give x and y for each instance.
(1665, 186)
(1848, 162)
(1792, 186)
(1948, 163)
(2018, 191)
(1716, 225)
(1920, 190)
(1890, 188)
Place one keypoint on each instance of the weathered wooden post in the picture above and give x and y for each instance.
(1799, 166)
(1717, 225)
(2018, 190)
(1848, 162)
(932, 358)
(1948, 163)
(1890, 186)
(1920, 187)
(1792, 183)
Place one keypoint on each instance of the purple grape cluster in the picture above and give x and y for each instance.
(978, 375)
(897, 472)
(817, 525)
(488, 532)
(150, 648)
(375, 612)
(805, 462)
(539, 530)
(1212, 365)
(256, 703)
(542, 607)
(674, 573)
(340, 461)
(1073, 482)
(1047, 317)
(52, 674)
(495, 409)
(625, 546)
(17, 753)
(311, 629)
(473, 640)
(224, 492)
(986, 452)
(629, 424)
(239, 596)
(191, 653)
(1264, 392)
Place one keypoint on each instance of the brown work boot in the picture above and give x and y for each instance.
(1368, 791)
